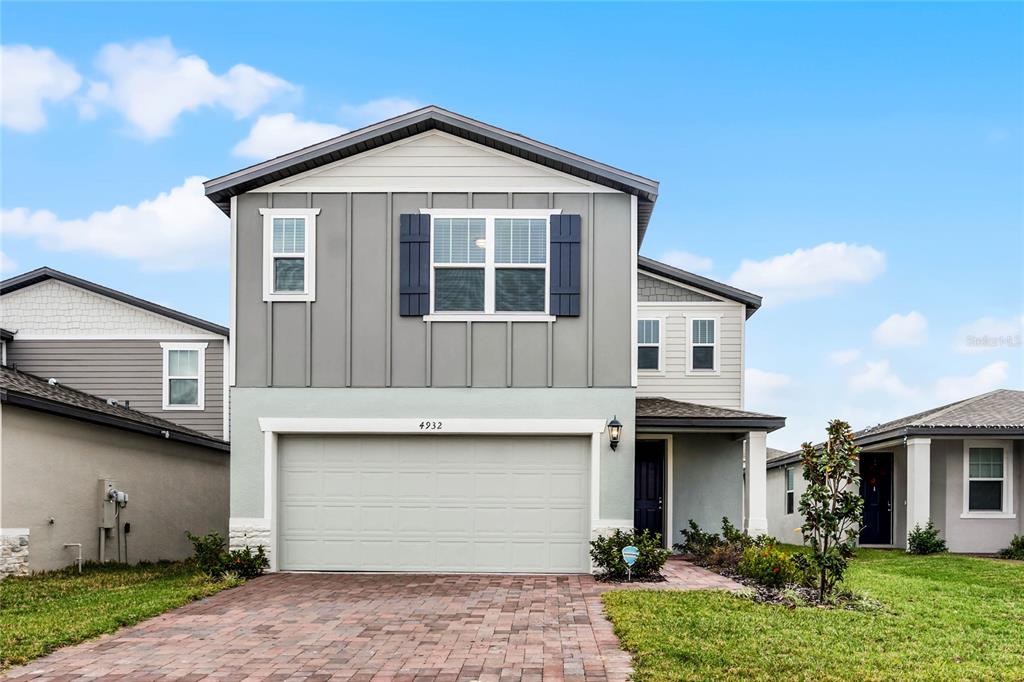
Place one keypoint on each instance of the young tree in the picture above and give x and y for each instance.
(832, 505)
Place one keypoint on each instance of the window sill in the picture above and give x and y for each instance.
(703, 372)
(484, 317)
(282, 298)
(183, 408)
(987, 515)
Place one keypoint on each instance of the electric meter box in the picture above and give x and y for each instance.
(107, 505)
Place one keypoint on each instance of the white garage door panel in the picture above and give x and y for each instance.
(434, 503)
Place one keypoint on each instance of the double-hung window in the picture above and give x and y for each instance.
(184, 375)
(790, 490)
(703, 345)
(648, 345)
(289, 246)
(489, 263)
(988, 478)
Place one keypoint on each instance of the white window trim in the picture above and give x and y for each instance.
(309, 255)
(201, 347)
(1007, 511)
(489, 266)
(787, 490)
(661, 347)
(690, 371)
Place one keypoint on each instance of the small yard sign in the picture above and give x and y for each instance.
(629, 555)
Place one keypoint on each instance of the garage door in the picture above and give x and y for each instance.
(434, 503)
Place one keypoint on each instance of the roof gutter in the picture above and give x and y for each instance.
(34, 403)
(712, 424)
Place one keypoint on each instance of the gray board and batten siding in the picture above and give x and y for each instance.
(126, 370)
(353, 334)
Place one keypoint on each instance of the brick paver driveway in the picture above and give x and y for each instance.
(399, 627)
(364, 627)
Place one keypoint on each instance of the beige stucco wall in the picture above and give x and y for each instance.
(49, 468)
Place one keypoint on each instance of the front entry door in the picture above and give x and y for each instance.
(649, 486)
(876, 489)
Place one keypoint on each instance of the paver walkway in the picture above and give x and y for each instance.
(362, 627)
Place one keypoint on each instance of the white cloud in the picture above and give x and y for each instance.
(843, 357)
(177, 230)
(150, 83)
(902, 330)
(878, 377)
(988, 378)
(31, 77)
(990, 333)
(376, 110)
(278, 134)
(761, 386)
(809, 273)
(685, 260)
(7, 264)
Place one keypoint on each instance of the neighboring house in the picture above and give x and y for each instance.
(437, 333)
(58, 449)
(960, 465)
(156, 360)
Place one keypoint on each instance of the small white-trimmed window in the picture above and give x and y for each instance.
(289, 249)
(703, 355)
(988, 479)
(648, 345)
(184, 376)
(489, 262)
(790, 490)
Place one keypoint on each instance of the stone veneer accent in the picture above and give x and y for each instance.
(651, 289)
(13, 552)
(249, 532)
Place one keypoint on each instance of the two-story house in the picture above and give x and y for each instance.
(101, 391)
(439, 342)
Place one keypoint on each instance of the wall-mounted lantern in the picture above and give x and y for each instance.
(614, 432)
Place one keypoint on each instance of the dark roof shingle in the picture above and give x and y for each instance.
(656, 411)
(29, 390)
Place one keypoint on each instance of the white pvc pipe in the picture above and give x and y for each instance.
(79, 546)
(102, 552)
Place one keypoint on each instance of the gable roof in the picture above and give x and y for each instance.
(30, 391)
(751, 301)
(220, 190)
(996, 413)
(665, 412)
(42, 274)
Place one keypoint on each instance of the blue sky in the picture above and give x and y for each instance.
(861, 166)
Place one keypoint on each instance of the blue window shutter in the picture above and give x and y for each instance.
(565, 265)
(414, 254)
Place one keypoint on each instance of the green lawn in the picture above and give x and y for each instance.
(944, 617)
(43, 612)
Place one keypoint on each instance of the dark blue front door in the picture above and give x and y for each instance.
(876, 489)
(649, 486)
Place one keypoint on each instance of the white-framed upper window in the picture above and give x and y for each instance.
(988, 479)
(649, 345)
(790, 490)
(487, 262)
(703, 345)
(184, 376)
(289, 249)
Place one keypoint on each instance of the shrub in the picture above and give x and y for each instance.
(925, 540)
(697, 544)
(245, 563)
(769, 566)
(1015, 550)
(725, 557)
(607, 554)
(732, 534)
(831, 505)
(207, 552)
(210, 556)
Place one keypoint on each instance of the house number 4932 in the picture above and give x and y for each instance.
(431, 426)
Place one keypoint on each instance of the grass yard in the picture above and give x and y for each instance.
(43, 612)
(944, 617)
